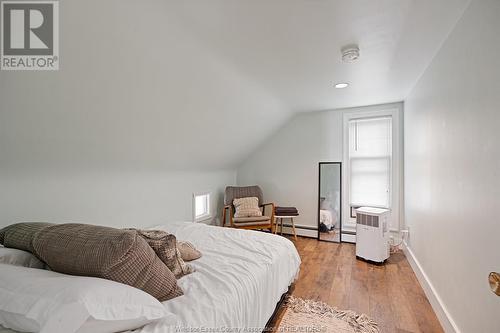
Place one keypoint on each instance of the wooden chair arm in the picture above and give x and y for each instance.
(267, 204)
(224, 211)
(263, 206)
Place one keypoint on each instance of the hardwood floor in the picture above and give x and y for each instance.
(389, 293)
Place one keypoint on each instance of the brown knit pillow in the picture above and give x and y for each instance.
(188, 251)
(20, 235)
(165, 247)
(118, 255)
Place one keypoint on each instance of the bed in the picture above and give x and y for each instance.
(238, 281)
(328, 218)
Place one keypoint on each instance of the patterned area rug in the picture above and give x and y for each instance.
(311, 316)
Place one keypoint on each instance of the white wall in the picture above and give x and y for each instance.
(452, 169)
(118, 199)
(286, 166)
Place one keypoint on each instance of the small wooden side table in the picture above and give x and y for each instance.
(280, 219)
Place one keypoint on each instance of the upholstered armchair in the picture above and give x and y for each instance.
(266, 221)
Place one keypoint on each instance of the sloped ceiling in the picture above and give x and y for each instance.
(200, 84)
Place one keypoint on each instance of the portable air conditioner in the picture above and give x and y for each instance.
(372, 234)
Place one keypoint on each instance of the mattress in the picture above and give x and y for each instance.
(237, 283)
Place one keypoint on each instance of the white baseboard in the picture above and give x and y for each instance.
(437, 304)
(311, 233)
(348, 238)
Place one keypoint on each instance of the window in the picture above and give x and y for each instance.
(370, 161)
(201, 206)
(372, 152)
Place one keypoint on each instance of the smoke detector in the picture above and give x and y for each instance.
(350, 53)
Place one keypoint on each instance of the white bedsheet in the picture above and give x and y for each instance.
(238, 280)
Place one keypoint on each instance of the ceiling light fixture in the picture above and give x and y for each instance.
(341, 85)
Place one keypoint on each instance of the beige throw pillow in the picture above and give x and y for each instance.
(20, 235)
(117, 255)
(165, 247)
(247, 207)
(188, 251)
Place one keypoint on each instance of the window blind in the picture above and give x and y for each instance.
(370, 157)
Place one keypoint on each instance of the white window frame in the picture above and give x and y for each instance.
(208, 214)
(395, 111)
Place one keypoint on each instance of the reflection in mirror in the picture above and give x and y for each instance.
(329, 215)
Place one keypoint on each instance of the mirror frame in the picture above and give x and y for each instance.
(319, 201)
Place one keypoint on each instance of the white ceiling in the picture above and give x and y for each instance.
(200, 84)
(292, 47)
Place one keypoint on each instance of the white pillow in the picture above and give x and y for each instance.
(36, 300)
(19, 258)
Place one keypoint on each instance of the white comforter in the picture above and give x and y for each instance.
(238, 280)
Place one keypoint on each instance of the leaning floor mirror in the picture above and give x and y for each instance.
(329, 201)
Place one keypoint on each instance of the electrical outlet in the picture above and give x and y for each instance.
(391, 239)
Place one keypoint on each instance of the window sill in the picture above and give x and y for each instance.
(203, 218)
